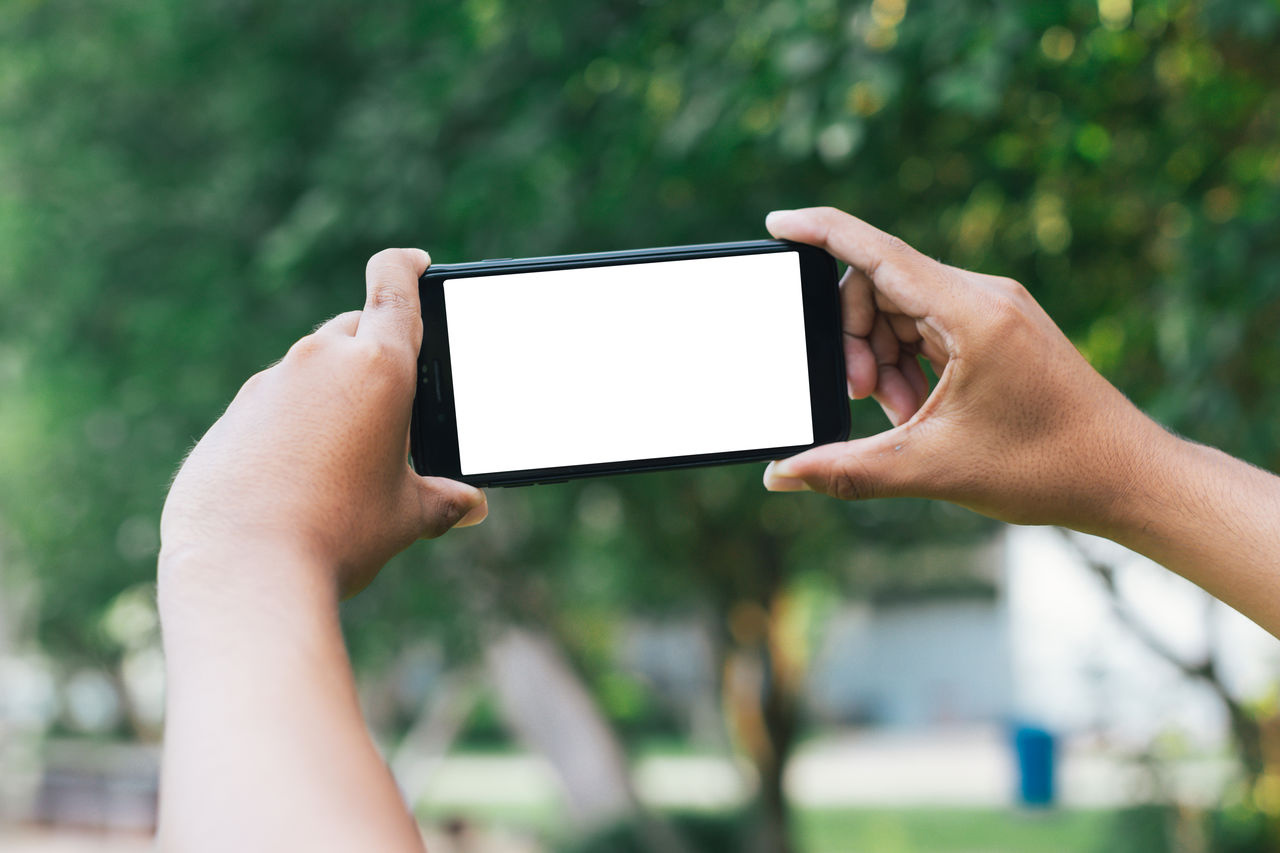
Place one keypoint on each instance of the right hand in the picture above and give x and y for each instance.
(1020, 427)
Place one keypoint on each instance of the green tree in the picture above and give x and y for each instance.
(187, 187)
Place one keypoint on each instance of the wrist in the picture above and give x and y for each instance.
(257, 615)
(204, 579)
(1173, 486)
(1137, 475)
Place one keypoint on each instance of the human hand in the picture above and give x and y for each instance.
(1019, 427)
(309, 462)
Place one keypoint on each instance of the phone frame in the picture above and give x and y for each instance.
(433, 431)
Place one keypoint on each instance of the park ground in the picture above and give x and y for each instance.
(938, 791)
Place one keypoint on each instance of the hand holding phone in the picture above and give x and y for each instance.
(307, 467)
(546, 369)
(1019, 426)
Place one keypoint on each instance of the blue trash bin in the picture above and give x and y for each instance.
(1036, 750)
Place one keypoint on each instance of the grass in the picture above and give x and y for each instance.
(950, 831)
(542, 821)
(907, 830)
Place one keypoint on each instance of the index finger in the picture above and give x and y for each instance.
(391, 310)
(917, 284)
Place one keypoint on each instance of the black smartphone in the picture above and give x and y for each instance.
(538, 370)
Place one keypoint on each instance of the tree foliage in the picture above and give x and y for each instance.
(186, 187)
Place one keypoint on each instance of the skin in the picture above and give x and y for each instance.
(300, 493)
(1019, 426)
(295, 498)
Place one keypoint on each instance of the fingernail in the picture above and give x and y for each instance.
(774, 214)
(776, 480)
(474, 516)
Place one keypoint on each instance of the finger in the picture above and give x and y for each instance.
(857, 302)
(444, 504)
(391, 312)
(884, 343)
(904, 328)
(886, 305)
(881, 465)
(343, 325)
(919, 285)
(935, 352)
(913, 372)
(895, 395)
(860, 367)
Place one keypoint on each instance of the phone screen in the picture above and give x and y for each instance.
(628, 362)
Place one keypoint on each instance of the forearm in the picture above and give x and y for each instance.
(265, 745)
(1211, 518)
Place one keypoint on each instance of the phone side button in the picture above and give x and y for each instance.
(493, 260)
(551, 482)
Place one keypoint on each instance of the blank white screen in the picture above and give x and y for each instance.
(637, 361)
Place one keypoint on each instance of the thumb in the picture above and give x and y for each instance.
(878, 466)
(444, 504)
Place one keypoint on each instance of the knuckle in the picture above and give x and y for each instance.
(440, 513)
(1013, 292)
(1010, 286)
(254, 382)
(1006, 312)
(897, 257)
(338, 320)
(848, 481)
(305, 347)
(451, 512)
(894, 243)
(376, 354)
(379, 358)
(895, 246)
(392, 275)
(385, 295)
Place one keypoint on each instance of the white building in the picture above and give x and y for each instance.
(1047, 647)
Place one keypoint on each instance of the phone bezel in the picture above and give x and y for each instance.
(433, 432)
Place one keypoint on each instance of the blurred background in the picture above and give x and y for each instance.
(676, 662)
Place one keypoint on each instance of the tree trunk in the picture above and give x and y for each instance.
(550, 710)
(763, 709)
(763, 678)
(423, 748)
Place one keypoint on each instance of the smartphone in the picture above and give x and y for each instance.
(539, 370)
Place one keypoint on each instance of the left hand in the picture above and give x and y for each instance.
(309, 464)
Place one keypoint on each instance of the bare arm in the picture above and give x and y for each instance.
(295, 497)
(1019, 426)
(1212, 519)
